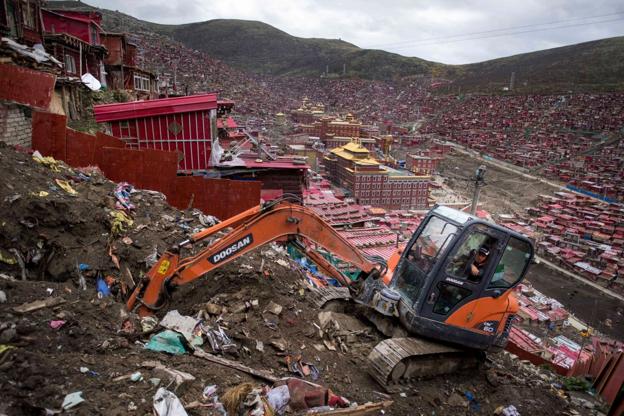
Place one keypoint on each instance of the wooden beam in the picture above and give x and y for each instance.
(235, 365)
(362, 410)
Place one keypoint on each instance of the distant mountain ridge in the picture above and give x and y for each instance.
(258, 47)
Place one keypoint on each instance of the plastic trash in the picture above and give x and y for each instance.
(82, 283)
(148, 323)
(91, 82)
(65, 186)
(182, 324)
(209, 391)
(167, 341)
(167, 403)
(510, 411)
(136, 376)
(102, 288)
(72, 400)
(122, 193)
(57, 324)
(278, 399)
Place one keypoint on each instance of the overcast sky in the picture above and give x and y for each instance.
(434, 29)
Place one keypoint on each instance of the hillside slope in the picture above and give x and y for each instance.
(589, 66)
(261, 48)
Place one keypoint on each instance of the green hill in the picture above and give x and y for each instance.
(258, 47)
(588, 66)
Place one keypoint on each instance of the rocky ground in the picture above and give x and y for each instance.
(78, 340)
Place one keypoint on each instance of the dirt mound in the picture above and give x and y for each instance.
(53, 231)
(79, 342)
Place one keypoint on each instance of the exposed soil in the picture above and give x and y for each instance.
(602, 312)
(45, 363)
(505, 192)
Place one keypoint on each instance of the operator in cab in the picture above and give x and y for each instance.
(477, 268)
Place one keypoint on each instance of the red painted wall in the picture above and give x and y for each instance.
(147, 169)
(83, 30)
(159, 132)
(26, 86)
(80, 148)
(48, 134)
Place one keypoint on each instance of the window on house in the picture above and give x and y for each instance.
(141, 83)
(29, 14)
(94, 40)
(70, 64)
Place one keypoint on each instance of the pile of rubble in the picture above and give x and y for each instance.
(244, 339)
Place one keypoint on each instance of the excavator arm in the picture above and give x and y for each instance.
(252, 229)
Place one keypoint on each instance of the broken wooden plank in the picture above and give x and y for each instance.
(361, 410)
(39, 304)
(233, 364)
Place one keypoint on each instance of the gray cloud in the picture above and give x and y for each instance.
(426, 29)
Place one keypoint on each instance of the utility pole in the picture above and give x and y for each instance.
(479, 175)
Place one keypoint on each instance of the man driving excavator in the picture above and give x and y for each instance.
(477, 268)
(471, 265)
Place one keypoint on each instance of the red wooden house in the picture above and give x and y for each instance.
(74, 38)
(20, 20)
(183, 124)
(122, 70)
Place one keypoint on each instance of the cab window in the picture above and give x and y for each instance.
(449, 296)
(436, 236)
(422, 255)
(511, 266)
(466, 262)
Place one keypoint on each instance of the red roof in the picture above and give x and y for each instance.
(229, 123)
(150, 108)
(275, 164)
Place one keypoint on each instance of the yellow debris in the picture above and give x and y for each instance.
(119, 222)
(49, 161)
(5, 347)
(40, 194)
(66, 186)
(8, 259)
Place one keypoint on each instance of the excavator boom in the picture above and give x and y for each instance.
(253, 228)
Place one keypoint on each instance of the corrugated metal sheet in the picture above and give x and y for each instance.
(166, 106)
(187, 133)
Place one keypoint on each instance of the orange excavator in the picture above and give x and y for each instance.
(444, 296)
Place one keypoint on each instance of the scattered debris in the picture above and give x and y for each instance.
(168, 341)
(507, 411)
(72, 400)
(185, 325)
(162, 372)
(167, 404)
(39, 304)
(235, 365)
(274, 308)
(57, 324)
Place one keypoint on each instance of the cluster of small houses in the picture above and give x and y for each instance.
(72, 45)
(580, 233)
(573, 138)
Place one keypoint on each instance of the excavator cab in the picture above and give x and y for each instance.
(454, 280)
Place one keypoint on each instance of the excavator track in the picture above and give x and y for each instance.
(396, 362)
(323, 295)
